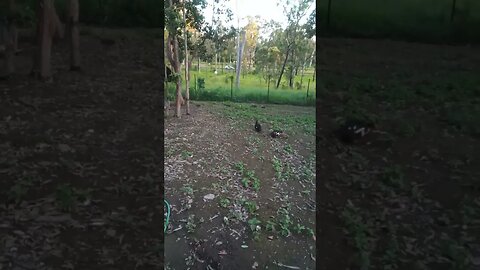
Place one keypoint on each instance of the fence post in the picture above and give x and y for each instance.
(231, 88)
(268, 89)
(308, 87)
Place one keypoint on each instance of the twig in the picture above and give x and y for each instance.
(286, 266)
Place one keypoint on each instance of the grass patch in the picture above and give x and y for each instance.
(252, 89)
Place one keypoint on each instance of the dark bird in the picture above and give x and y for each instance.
(353, 130)
(277, 133)
(258, 127)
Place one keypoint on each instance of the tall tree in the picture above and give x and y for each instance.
(240, 57)
(187, 89)
(294, 12)
(252, 32)
(172, 24)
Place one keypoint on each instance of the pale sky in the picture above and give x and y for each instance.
(266, 9)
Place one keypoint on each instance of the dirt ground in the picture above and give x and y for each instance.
(79, 163)
(211, 152)
(409, 196)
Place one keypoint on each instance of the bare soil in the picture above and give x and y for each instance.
(79, 165)
(409, 196)
(202, 152)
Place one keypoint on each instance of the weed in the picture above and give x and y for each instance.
(288, 149)
(391, 253)
(270, 226)
(187, 189)
(284, 221)
(251, 206)
(65, 197)
(224, 202)
(394, 177)
(298, 228)
(278, 167)
(240, 167)
(254, 224)
(359, 232)
(186, 154)
(191, 224)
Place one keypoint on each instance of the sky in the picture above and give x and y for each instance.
(266, 9)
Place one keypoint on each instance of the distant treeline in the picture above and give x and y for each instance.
(413, 20)
(114, 13)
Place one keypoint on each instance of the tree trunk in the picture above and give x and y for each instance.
(290, 79)
(311, 58)
(172, 54)
(11, 39)
(239, 59)
(13, 25)
(45, 31)
(187, 81)
(283, 68)
(74, 34)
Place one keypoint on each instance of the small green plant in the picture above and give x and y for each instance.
(288, 149)
(298, 228)
(245, 182)
(277, 166)
(270, 226)
(187, 189)
(284, 221)
(256, 184)
(186, 154)
(250, 206)
(394, 177)
(65, 197)
(254, 224)
(224, 202)
(359, 231)
(191, 224)
(250, 180)
(310, 231)
(240, 167)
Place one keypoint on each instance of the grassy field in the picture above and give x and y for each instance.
(409, 196)
(253, 88)
(427, 20)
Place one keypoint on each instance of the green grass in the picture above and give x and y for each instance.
(426, 20)
(253, 88)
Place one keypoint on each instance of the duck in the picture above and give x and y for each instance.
(352, 130)
(277, 133)
(258, 127)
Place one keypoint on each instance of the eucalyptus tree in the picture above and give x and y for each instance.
(176, 27)
(295, 11)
